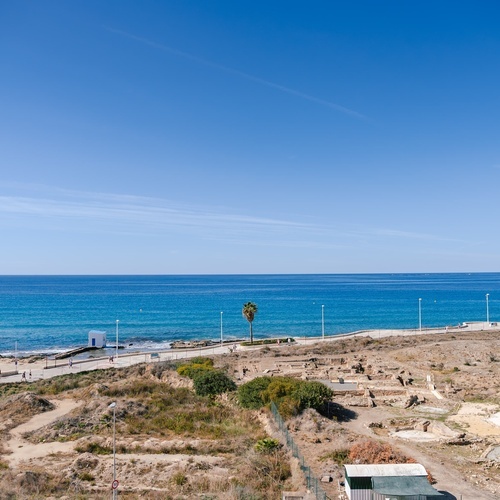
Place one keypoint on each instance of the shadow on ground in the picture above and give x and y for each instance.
(339, 412)
(447, 496)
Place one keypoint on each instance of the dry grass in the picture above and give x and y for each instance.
(153, 418)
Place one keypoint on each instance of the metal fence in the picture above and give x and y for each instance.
(312, 482)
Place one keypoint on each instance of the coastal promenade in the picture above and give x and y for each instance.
(48, 368)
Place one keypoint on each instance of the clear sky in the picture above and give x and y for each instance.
(194, 136)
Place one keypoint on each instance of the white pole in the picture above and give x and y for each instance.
(487, 308)
(420, 314)
(323, 322)
(221, 328)
(113, 405)
(116, 347)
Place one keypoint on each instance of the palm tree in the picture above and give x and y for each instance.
(249, 311)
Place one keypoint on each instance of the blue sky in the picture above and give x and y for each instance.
(174, 137)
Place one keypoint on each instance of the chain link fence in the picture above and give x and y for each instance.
(312, 482)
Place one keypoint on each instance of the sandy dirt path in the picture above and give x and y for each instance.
(24, 450)
(448, 479)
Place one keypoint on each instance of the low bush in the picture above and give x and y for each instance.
(340, 457)
(286, 340)
(163, 366)
(212, 383)
(267, 445)
(250, 394)
(195, 367)
(94, 448)
(289, 394)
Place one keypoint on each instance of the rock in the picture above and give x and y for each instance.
(326, 479)
(412, 400)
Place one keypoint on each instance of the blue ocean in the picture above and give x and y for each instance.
(47, 314)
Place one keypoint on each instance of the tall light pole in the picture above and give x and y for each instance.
(323, 322)
(113, 405)
(420, 314)
(488, 308)
(221, 328)
(116, 347)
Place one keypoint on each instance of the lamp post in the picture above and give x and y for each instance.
(420, 314)
(323, 322)
(488, 308)
(116, 346)
(221, 328)
(113, 405)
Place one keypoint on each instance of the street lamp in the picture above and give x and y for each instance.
(323, 322)
(116, 347)
(488, 308)
(221, 328)
(420, 314)
(113, 405)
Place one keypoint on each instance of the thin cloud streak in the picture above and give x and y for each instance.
(138, 211)
(246, 76)
(130, 213)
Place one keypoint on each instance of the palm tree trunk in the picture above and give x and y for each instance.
(251, 333)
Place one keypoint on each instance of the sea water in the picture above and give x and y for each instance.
(45, 314)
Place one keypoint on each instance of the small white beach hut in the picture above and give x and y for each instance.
(97, 338)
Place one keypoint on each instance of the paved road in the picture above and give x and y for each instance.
(44, 369)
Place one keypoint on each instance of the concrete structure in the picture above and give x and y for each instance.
(388, 482)
(97, 338)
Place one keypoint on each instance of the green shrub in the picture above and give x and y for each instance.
(312, 395)
(211, 383)
(285, 340)
(195, 366)
(289, 407)
(279, 388)
(290, 395)
(338, 456)
(250, 394)
(267, 445)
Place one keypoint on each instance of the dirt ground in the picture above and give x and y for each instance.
(435, 398)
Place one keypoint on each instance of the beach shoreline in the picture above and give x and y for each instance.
(43, 367)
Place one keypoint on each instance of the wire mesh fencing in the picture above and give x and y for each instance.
(312, 482)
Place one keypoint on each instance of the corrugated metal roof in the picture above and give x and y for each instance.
(374, 470)
(404, 486)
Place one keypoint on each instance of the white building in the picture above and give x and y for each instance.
(97, 338)
(388, 482)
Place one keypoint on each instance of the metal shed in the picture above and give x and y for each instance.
(388, 482)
